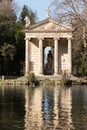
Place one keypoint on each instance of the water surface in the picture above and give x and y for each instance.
(43, 108)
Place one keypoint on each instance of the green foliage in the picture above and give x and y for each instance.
(7, 38)
(83, 67)
(32, 79)
(8, 50)
(7, 30)
(24, 13)
(3, 18)
(7, 55)
(19, 41)
(19, 37)
(79, 58)
(7, 22)
(65, 80)
(1, 82)
(27, 12)
(12, 43)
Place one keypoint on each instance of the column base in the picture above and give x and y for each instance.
(26, 74)
(40, 73)
(55, 74)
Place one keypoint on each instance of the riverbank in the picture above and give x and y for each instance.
(44, 80)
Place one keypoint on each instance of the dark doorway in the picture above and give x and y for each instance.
(48, 60)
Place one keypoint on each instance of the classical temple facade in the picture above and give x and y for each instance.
(58, 37)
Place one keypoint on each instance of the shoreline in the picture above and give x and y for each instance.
(44, 80)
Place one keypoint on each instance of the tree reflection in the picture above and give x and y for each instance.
(55, 108)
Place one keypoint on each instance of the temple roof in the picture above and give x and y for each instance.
(48, 25)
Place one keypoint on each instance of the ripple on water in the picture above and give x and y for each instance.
(43, 108)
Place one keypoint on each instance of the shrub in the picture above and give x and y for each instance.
(32, 79)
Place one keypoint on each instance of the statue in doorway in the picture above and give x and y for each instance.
(49, 60)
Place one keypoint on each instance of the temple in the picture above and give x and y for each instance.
(57, 37)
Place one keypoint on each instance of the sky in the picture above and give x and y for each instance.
(36, 5)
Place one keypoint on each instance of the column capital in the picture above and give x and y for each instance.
(69, 38)
(27, 38)
(40, 38)
(56, 38)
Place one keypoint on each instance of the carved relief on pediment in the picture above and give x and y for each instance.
(50, 26)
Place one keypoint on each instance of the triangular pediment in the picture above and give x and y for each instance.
(49, 25)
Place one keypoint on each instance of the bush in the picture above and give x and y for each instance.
(32, 79)
(65, 80)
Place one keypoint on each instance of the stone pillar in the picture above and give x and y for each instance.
(27, 56)
(56, 56)
(69, 56)
(40, 55)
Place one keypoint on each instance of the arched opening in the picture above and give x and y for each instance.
(48, 60)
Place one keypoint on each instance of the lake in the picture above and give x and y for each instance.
(43, 108)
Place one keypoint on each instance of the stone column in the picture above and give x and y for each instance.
(40, 55)
(69, 56)
(27, 56)
(56, 56)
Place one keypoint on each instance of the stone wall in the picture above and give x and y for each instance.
(62, 56)
(34, 57)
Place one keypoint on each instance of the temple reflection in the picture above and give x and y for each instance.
(65, 108)
(48, 109)
(56, 109)
(33, 116)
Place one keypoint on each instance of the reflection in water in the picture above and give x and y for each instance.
(65, 107)
(50, 108)
(47, 107)
(43, 108)
(12, 108)
(33, 117)
(56, 109)
(79, 104)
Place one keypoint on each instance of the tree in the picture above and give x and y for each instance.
(27, 12)
(7, 9)
(20, 52)
(74, 12)
(19, 38)
(7, 34)
(7, 52)
(7, 21)
(12, 44)
(75, 9)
